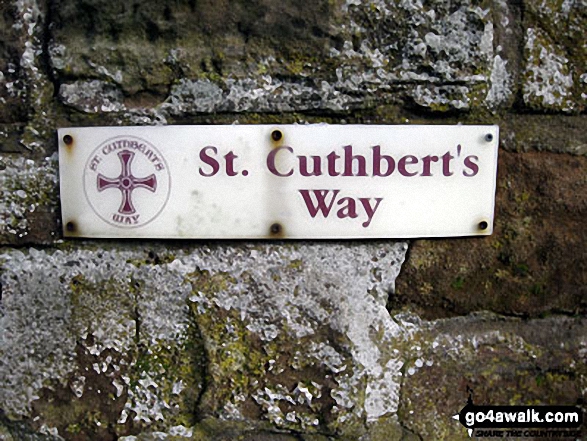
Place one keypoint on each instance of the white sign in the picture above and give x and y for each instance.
(287, 181)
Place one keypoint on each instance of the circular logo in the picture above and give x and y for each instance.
(127, 181)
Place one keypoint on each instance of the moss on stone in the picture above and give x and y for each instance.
(29, 200)
(548, 76)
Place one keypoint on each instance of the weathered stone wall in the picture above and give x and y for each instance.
(284, 341)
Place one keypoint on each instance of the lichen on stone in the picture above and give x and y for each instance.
(482, 351)
(26, 186)
(289, 344)
(270, 324)
(92, 96)
(548, 77)
(97, 308)
(265, 94)
(30, 21)
(501, 81)
(436, 47)
(442, 98)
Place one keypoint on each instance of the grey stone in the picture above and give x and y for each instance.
(301, 328)
(555, 65)
(28, 203)
(92, 96)
(13, 85)
(356, 53)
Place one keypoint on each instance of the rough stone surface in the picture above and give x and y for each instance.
(291, 341)
(109, 341)
(168, 343)
(533, 264)
(555, 60)
(165, 42)
(510, 361)
(553, 133)
(28, 202)
(335, 56)
(13, 85)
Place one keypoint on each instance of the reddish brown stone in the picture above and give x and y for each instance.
(535, 262)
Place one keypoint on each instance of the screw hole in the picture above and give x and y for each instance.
(483, 225)
(2, 165)
(68, 139)
(276, 135)
(276, 228)
(70, 226)
(489, 137)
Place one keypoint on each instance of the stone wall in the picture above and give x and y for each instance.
(294, 340)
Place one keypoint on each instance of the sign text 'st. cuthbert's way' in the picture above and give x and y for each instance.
(306, 181)
(283, 162)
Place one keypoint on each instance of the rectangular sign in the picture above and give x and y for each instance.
(282, 181)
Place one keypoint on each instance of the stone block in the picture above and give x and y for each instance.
(504, 361)
(555, 72)
(533, 263)
(120, 341)
(13, 84)
(29, 200)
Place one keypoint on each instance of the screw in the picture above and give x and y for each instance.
(483, 225)
(275, 228)
(70, 226)
(489, 137)
(68, 139)
(276, 135)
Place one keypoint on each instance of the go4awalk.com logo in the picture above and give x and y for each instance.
(521, 421)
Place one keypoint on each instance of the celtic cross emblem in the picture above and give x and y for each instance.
(126, 182)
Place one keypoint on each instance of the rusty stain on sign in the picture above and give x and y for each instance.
(290, 181)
